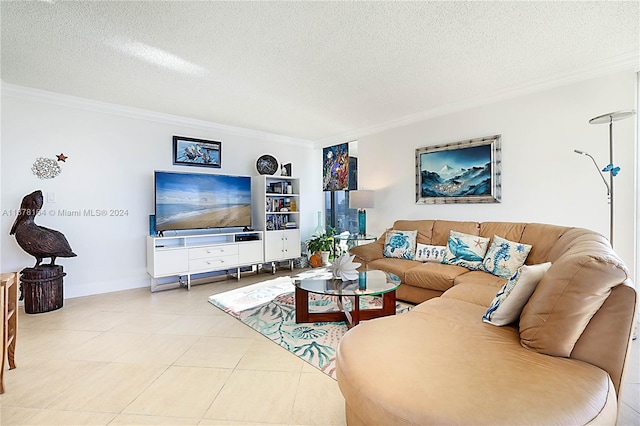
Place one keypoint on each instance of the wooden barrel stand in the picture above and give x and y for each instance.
(42, 288)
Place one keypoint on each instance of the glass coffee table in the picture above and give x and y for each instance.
(369, 283)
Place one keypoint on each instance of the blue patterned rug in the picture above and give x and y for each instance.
(269, 308)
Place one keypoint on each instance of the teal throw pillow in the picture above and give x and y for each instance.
(465, 250)
(504, 257)
(400, 244)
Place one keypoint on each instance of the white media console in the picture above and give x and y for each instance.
(185, 255)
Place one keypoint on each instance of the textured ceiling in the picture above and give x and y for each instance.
(309, 70)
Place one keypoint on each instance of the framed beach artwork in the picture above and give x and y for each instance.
(196, 152)
(460, 172)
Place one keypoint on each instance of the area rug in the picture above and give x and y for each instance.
(269, 308)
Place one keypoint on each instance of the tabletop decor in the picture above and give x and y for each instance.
(344, 268)
(361, 200)
(460, 172)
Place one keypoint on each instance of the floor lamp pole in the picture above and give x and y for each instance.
(611, 219)
(610, 118)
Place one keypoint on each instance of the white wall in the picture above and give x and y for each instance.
(113, 152)
(543, 180)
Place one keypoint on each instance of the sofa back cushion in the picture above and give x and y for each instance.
(442, 229)
(570, 293)
(543, 240)
(424, 228)
(507, 230)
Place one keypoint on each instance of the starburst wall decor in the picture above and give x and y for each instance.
(48, 168)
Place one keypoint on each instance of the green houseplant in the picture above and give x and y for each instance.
(321, 244)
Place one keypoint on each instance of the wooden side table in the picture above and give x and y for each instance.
(9, 310)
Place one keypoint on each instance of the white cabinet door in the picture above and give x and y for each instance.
(291, 243)
(273, 245)
(281, 245)
(170, 262)
(250, 253)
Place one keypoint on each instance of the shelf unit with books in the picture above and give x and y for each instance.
(276, 211)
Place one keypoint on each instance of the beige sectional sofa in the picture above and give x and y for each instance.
(561, 363)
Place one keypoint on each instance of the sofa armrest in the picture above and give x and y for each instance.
(369, 252)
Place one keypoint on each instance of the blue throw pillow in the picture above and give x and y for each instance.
(465, 250)
(400, 244)
(504, 257)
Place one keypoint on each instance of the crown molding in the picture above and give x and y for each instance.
(39, 95)
(626, 62)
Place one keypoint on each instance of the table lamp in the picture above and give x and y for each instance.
(361, 200)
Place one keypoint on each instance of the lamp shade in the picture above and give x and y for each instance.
(361, 199)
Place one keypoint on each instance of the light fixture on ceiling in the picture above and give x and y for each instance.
(611, 168)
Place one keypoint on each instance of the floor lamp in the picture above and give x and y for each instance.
(611, 168)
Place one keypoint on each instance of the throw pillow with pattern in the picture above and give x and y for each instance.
(400, 244)
(429, 253)
(465, 250)
(504, 257)
(510, 300)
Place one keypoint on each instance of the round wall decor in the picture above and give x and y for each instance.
(267, 164)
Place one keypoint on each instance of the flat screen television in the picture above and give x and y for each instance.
(201, 201)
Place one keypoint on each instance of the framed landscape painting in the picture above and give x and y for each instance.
(196, 152)
(459, 172)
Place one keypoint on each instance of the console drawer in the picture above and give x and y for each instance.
(213, 251)
(213, 263)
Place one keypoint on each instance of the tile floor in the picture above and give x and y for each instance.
(171, 358)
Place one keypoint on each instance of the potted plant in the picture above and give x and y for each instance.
(321, 244)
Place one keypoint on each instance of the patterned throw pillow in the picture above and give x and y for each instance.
(510, 300)
(427, 253)
(504, 257)
(401, 244)
(465, 250)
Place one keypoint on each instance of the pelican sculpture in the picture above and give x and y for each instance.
(38, 241)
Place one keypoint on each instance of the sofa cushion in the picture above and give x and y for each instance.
(481, 295)
(429, 253)
(400, 244)
(480, 278)
(570, 293)
(509, 301)
(435, 276)
(504, 257)
(465, 250)
(396, 266)
(411, 293)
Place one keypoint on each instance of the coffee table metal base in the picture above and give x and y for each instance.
(352, 317)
